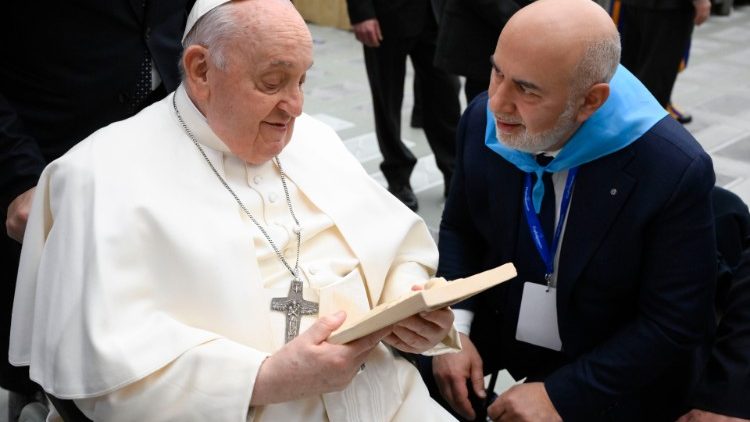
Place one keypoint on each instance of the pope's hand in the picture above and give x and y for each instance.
(310, 366)
(18, 215)
(697, 415)
(421, 332)
(368, 32)
(524, 402)
(451, 372)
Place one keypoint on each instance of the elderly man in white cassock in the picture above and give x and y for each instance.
(188, 263)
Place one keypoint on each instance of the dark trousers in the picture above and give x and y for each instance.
(386, 71)
(653, 44)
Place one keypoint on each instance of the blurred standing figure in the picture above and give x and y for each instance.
(467, 36)
(655, 34)
(73, 68)
(416, 111)
(391, 30)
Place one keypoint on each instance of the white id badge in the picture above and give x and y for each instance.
(537, 321)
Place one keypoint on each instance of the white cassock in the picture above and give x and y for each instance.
(144, 291)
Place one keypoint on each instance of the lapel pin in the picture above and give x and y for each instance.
(613, 192)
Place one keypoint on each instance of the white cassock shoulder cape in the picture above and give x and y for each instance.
(135, 256)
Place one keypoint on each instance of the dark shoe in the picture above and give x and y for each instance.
(681, 117)
(405, 195)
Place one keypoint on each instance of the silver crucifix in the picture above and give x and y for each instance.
(294, 306)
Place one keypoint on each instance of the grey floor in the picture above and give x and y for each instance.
(715, 89)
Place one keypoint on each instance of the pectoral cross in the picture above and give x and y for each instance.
(294, 306)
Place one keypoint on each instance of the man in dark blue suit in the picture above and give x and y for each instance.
(611, 232)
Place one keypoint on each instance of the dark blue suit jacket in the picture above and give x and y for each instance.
(635, 279)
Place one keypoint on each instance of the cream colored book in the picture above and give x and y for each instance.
(437, 293)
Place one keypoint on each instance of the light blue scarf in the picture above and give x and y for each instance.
(629, 112)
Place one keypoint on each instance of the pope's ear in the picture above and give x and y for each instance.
(195, 62)
(594, 98)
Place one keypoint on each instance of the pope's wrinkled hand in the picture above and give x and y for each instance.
(310, 366)
(451, 371)
(18, 214)
(524, 403)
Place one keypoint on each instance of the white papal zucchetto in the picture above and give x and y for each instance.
(200, 8)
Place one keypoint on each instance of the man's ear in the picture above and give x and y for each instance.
(594, 98)
(195, 62)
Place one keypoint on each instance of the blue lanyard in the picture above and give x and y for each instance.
(535, 227)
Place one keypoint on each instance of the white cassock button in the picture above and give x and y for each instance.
(272, 197)
(297, 229)
(312, 270)
(257, 179)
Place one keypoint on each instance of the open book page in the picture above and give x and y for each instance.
(437, 293)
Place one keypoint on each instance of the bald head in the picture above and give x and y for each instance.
(572, 19)
(576, 37)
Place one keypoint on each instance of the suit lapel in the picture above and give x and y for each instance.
(602, 188)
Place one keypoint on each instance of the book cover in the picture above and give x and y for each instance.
(437, 293)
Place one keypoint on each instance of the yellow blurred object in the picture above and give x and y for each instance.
(324, 12)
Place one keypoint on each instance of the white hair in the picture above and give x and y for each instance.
(212, 31)
(598, 63)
